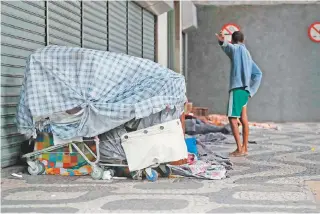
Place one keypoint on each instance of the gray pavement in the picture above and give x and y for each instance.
(281, 174)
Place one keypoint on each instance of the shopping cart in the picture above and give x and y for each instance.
(37, 167)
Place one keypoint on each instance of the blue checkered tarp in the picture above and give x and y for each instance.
(111, 88)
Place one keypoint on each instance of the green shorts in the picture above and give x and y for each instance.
(238, 98)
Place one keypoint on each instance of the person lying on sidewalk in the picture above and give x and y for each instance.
(245, 79)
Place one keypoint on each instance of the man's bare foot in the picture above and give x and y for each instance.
(236, 153)
(244, 150)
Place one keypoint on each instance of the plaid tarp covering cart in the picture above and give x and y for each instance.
(110, 88)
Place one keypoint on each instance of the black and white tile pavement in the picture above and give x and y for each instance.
(271, 179)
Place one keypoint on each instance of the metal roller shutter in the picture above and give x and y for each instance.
(134, 29)
(22, 32)
(95, 27)
(117, 13)
(28, 25)
(64, 23)
(148, 24)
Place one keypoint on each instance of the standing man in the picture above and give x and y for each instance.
(245, 78)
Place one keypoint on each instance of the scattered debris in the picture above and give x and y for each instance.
(17, 175)
(252, 142)
(120, 178)
(107, 175)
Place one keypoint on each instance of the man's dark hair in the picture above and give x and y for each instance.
(237, 37)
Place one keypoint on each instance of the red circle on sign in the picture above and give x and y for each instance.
(312, 27)
(225, 27)
(229, 24)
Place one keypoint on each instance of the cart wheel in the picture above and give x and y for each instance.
(96, 173)
(151, 174)
(42, 168)
(35, 171)
(165, 171)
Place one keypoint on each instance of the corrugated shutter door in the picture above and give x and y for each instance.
(117, 26)
(65, 23)
(95, 28)
(148, 35)
(22, 32)
(134, 29)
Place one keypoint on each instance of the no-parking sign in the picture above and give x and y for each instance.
(228, 29)
(314, 32)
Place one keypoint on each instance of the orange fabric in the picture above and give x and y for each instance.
(179, 162)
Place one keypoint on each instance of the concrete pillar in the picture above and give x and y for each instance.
(178, 37)
(162, 39)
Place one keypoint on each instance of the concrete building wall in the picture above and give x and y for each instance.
(189, 16)
(276, 36)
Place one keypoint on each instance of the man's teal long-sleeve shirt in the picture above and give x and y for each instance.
(244, 71)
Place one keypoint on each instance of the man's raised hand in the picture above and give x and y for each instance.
(220, 37)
